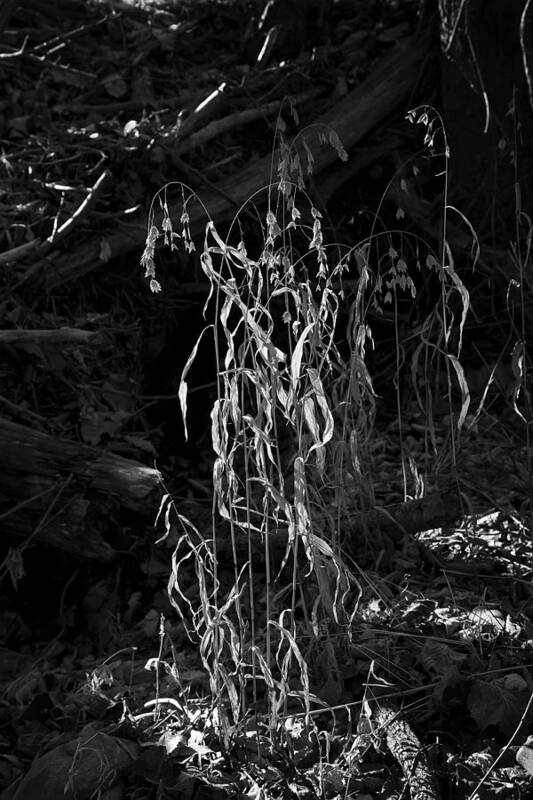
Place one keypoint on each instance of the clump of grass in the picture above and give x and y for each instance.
(275, 318)
(291, 428)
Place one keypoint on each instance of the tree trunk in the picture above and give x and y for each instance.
(487, 110)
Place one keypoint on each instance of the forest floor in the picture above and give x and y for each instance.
(426, 692)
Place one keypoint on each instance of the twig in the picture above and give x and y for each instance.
(24, 412)
(206, 108)
(18, 52)
(51, 45)
(94, 193)
(79, 75)
(232, 121)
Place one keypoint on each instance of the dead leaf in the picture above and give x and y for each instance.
(438, 657)
(491, 620)
(524, 757)
(492, 703)
(115, 85)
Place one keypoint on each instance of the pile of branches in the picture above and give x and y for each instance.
(107, 102)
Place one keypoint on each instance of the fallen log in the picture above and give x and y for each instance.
(399, 521)
(58, 336)
(33, 452)
(49, 487)
(405, 747)
(354, 117)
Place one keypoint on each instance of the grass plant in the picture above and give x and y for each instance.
(293, 427)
